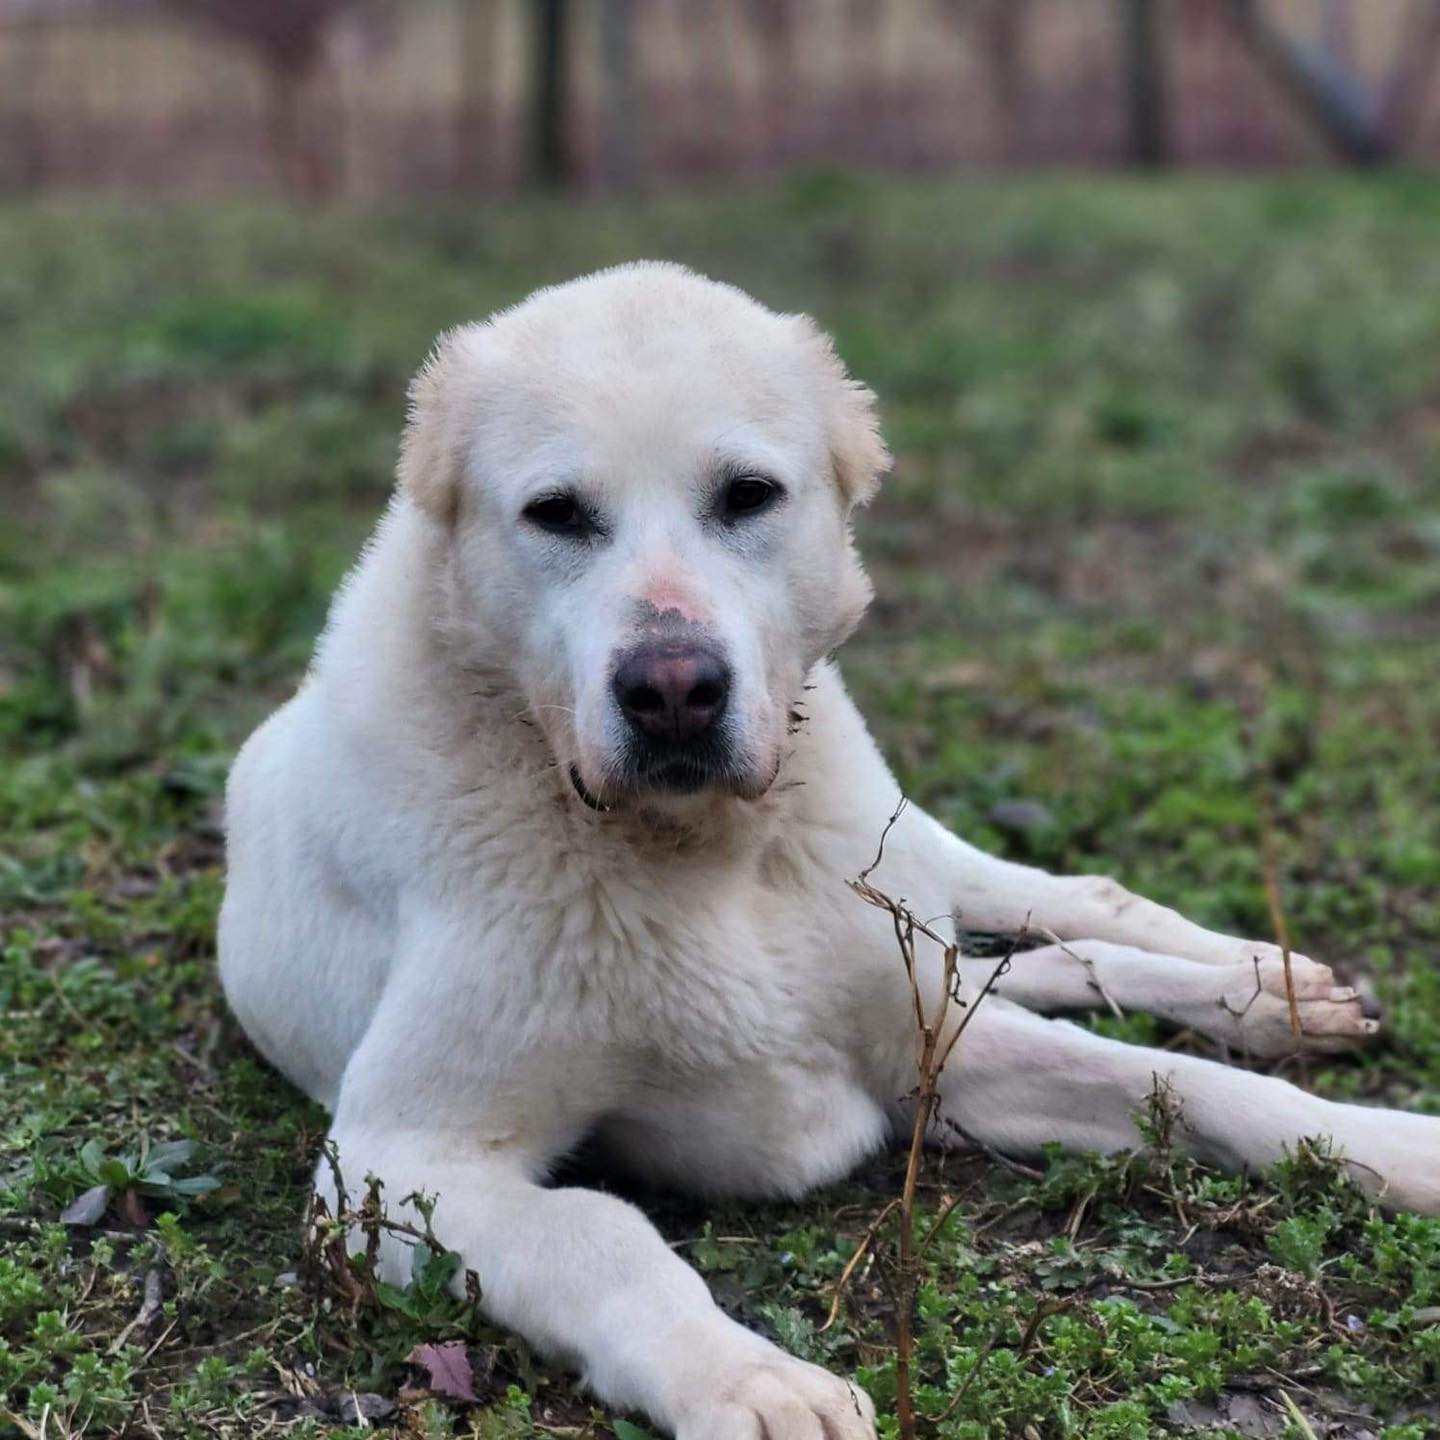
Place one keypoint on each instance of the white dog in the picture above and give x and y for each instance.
(553, 843)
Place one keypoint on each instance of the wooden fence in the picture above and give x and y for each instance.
(437, 95)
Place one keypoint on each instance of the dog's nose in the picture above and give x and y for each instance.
(672, 692)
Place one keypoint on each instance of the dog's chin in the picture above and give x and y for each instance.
(668, 783)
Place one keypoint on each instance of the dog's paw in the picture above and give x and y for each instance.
(1256, 1015)
(776, 1397)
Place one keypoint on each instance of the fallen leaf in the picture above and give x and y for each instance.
(87, 1209)
(447, 1369)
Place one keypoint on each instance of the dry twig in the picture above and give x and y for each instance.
(1272, 899)
(935, 1046)
(861, 1250)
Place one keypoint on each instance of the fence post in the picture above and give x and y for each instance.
(1145, 84)
(549, 102)
(621, 159)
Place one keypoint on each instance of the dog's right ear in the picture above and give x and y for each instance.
(437, 423)
(857, 450)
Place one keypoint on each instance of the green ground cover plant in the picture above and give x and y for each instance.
(1163, 539)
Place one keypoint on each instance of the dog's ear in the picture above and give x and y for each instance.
(858, 453)
(857, 449)
(437, 424)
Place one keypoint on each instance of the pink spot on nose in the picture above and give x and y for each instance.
(670, 595)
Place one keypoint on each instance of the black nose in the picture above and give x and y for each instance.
(672, 692)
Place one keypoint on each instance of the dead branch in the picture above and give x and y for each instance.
(1272, 899)
(327, 1248)
(861, 1250)
(934, 1048)
(150, 1307)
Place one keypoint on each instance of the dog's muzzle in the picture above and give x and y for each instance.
(674, 696)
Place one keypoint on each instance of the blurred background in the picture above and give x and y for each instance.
(359, 98)
(1150, 293)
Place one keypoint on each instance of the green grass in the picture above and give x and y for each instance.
(1165, 530)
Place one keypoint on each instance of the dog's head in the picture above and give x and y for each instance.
(645, 479)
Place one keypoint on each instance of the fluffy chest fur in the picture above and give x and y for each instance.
(650, 948)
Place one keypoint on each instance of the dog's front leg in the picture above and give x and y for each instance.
(1242, 1005)
(1002, 897)
(1249, 1000)
(581, 1275)
(923, 863)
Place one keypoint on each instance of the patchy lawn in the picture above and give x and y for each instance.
(1164, 535)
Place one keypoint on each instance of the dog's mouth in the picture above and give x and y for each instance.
(590, 800)
(666, 767)
(683, 777)
(677, 777)
(670, 776)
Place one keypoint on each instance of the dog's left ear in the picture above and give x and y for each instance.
(432, 449)
(857, 451)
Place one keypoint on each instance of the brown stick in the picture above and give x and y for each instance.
(930, 1031)
(908, 1281)
(861, 1250)
(1272, 898)
(1253, 706)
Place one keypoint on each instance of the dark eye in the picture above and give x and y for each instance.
(559, 514)
(747, 495)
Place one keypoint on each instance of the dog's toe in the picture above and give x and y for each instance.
(1330, 1026)
(1257, 1005)
(782, 1398)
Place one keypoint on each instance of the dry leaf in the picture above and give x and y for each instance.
(447, 1369)
(87, 1209)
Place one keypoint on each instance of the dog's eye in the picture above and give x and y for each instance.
(559, 514)
(747, 495)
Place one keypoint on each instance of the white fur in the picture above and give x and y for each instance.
(429, 931)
